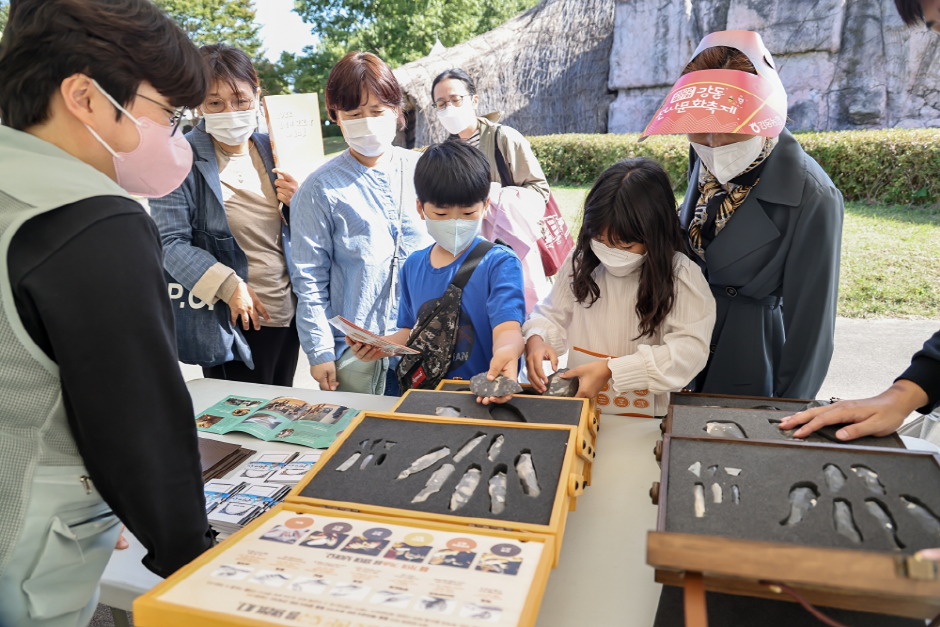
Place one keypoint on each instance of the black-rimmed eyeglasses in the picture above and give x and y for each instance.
(176, 115)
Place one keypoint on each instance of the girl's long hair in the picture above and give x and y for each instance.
(632, 201)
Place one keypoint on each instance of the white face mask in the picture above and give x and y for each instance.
(232, 128)
(454, 235)
(618, 262)
(457, 119)
(372, 136)
(727, 162)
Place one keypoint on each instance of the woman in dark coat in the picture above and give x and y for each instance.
(774, 272)
(764, 223)
(765, 226)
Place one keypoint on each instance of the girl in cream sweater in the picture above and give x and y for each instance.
(627, 292)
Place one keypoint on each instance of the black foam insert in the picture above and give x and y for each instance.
(456, 386)
(464, 386)
(378, 484)
(757, 426)
(739, 402)
(768, 472)
(534, 409)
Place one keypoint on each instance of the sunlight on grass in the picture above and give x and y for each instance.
(333, 146)
(890, 257)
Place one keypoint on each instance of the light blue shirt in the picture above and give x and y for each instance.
(344, 220)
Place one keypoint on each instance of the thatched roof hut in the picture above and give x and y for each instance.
(546, 70)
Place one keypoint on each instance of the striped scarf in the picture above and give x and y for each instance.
(717, 203)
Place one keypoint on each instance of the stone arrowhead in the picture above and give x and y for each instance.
(561, 387)
(501, 386)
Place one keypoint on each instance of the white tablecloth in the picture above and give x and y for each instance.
(602, 578)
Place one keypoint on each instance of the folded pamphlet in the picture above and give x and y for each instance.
(282, 419)
(292, 473)
(263, 466)
(217, 491)
(358, 334)
(241, 507)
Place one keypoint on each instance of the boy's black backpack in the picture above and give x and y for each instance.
(435, 333)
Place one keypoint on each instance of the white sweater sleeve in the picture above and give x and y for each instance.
(683, 351)
(552, 315)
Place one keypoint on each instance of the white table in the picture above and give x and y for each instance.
(602, 578)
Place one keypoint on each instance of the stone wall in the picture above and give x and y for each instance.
(846, 64)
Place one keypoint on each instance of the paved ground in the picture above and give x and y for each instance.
(869, 354)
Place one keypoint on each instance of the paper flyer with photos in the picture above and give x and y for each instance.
(282, 419)
(358, 334)
(309, 569)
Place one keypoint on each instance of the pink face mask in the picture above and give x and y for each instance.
(160, 162)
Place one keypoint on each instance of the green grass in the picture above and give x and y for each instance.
(890, 257)
(332, 146)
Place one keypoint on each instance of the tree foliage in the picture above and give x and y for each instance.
(229, 22)
(4, 15)
(398, 31)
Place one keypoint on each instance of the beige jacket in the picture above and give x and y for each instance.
(521, 161)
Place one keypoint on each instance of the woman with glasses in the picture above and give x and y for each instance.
(234, 194)
(512, 164)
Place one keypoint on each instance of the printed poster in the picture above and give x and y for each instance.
(309, 569)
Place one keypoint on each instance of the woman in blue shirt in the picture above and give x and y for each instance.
(354, 224)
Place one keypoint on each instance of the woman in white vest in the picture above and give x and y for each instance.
(96, 425)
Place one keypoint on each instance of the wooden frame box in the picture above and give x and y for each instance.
(588, 426)
(744, 418)
(867, 579)
(460, 385)
(570, 483)
(240, 601)
(742, 402)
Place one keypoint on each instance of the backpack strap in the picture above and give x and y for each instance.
(505, 178)
(470, 263)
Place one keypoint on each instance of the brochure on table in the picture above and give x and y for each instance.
(282, 419)
(302, 568)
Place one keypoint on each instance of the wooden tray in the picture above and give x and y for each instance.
(733, 415)
(263, 606)
(866, 580)
(729, 400)
(460, 385)
(588, 426)
(570, 485)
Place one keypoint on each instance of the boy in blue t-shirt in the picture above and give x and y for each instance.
(452, 181)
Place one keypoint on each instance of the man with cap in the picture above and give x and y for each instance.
(764, 222)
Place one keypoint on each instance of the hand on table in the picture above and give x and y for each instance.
(536, 352)
(879, 416)
(285, 185)
(325, 375)
(932, 555)
(364, 352)
(593, 377)
(122, 542)
(244, 302)
(505, 362)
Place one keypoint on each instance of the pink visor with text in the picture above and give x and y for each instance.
(719, 101)
(725, 101)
